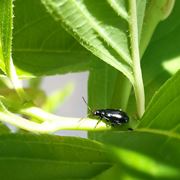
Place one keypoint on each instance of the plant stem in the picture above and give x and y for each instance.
(61, 123)
(138, 81)
(50, 123)
(11, 71)
(7, 57)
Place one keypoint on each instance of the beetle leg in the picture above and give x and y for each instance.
(98, 122)
(80, 120)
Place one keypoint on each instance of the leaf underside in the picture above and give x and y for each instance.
(104, 31)
(50, 157)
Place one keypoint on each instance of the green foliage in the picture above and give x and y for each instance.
(50, 157)
(41, 46)
(57, 98)
(164, 105)
(109, 39)
(110, 35)
(153, 140)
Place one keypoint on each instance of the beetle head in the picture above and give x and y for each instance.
(97, 113)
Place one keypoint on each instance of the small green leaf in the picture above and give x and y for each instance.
(50, 157)
(156, 11)
(54, 100)
(34, 83)
(11, 99)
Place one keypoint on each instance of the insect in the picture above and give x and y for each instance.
(113, 117)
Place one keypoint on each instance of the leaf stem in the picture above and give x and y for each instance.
(50, 122)
(11, 71)
(9, 66)
(138, 81)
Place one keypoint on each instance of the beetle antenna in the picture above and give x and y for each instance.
(87, 104)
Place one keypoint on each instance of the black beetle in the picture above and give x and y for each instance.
(113, 117)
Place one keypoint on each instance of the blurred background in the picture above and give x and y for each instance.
(73, 106)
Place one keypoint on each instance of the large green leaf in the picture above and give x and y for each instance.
(41, 46)
(50, 157)
(5, 33)
(156, 141)
(104, 31)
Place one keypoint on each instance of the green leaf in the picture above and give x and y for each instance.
(35, 83)
(146, 152)
(156, 11)
(50, 157)
(163, 111)
(4, 129)
(10, 98)
(104, 34)
(5, 33)
(110, 33)
(111, 173)
(41, 46)
(159, 65)
(107, 87)
(57, 98)
(101, 85)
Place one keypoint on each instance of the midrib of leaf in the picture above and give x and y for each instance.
(54, 161)
(159, 132)
(48, 51)
(86, 148)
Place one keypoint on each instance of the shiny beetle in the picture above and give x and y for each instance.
(113, 117)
